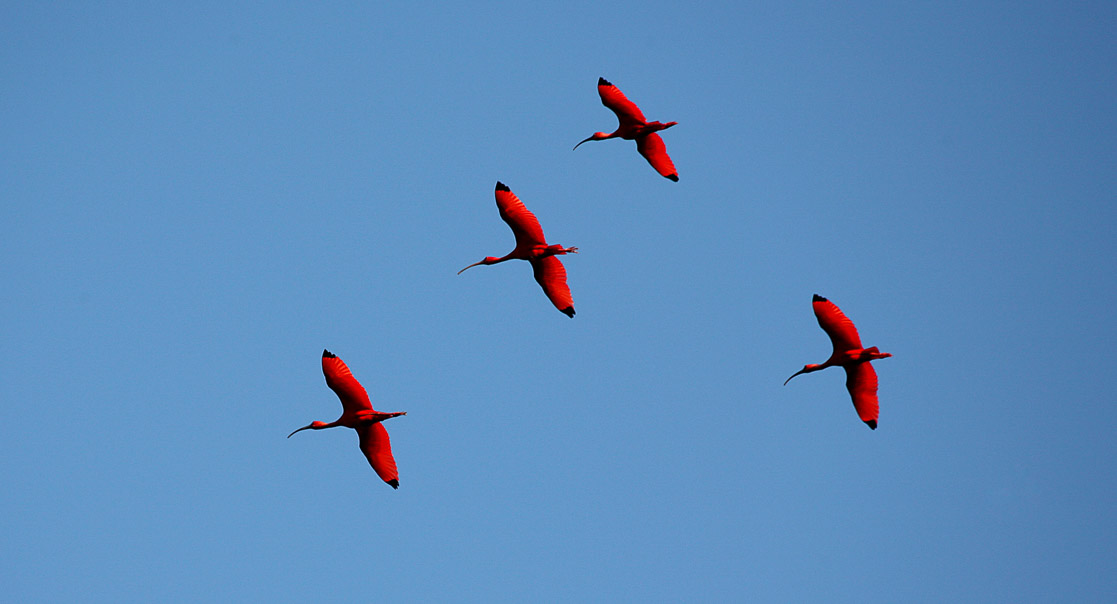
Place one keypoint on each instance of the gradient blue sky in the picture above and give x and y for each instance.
(197, 199)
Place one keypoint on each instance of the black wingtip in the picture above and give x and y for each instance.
(394, 483)
(673, 177)
(326, 354)
(568, 311)
(603, 82)
(501, 186)
(818, 298)
(872, 424)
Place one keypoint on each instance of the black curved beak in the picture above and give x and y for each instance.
(796, 373)
(470, 266)
(306, 427)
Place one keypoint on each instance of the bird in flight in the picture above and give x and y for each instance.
(357, 413)
(532, 246)
(861, 379)
(634, 126)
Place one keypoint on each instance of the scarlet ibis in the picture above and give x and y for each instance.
(861, 379)
(634, 126)
(357, 413)
(532, 246)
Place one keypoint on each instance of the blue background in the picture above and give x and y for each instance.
(197, 200)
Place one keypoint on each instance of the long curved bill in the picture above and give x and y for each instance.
(585, 141)
(470, 266)
(306, 427)
(796, 373)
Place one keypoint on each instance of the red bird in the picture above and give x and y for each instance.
(357, 413)
(532, 246)
(861, 379)
(634, 126)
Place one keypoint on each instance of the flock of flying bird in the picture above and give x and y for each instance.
(531, 245)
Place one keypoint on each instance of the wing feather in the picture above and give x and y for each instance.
(628, 114)
(551, 276)
(523, 223)
(377, 448)
(338, 377)
(836, 325)
(653, 150)
(861, 381)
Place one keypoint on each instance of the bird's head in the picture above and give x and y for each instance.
(485, 260)
(310, 426)
(806, 369)
(597, 136)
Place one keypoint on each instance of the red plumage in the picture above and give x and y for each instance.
(532, 246)
(861, 378)
(632, 125)
(357, 413)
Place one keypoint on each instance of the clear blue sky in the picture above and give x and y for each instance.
(196, 200)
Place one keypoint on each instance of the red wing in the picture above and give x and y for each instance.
(653, 150)
(523, 223)
(341, 381)
(627, 112)
(551, 275)
(861, 381)
(378, 450)
(836, 325)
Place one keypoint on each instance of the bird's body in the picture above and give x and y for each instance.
(861, 378)
(357, 413)
(632, 125)
(532, 246)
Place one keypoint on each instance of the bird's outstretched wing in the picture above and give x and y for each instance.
(861, 381)
(378, 450)
(551, 275)
(627, 112)
(523, 223)
(653, 150)
(836, 325)
(341, 381)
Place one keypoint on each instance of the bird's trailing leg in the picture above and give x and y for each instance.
(871, 354)
(555, 250)
(372, 417)
(651, 127)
